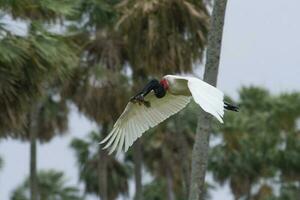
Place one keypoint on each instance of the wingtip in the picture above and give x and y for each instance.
(111, 151)
(106, 146)
(102, 142)
(220, 120)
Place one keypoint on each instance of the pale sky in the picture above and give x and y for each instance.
(260, 47)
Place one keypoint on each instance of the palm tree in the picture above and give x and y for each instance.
(52, 185)
(200, 149)
(87, 159)
(29, 70)
(165, 36)
(35, 73)
(258, 144)
(23, 93)
(21, 72)
(46, 11)
(48, 119)
(104, 91)
(99, 77)
(13, 98)
(161, 37)
(47, 116)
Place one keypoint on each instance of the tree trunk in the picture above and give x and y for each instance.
(33, 177)
(139, 77)
(102, 169)
(171, 195)
(137, 158)
(185, 165)
(200, 149)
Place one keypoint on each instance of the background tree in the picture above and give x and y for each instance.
(24, 61)
(258, 145)
(86, 152)
(200, 149)
(48, 119)
(52, 185)
(100, 75)
(29, 70)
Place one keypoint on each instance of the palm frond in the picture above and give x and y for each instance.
(52, 185)
(168, 35)
(27, 64)
(46, 10)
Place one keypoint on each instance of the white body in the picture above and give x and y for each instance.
(136, 118)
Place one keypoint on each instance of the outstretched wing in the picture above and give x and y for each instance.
(136, 119)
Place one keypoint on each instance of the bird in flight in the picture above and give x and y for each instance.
(159, 100)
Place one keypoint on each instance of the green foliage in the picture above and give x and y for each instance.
(98, 86)
(155, 190)
(27, 65)
(95, 13)
(51, 184)
(163, 37)
(259, 143)
(98, 76)
(288, 192)
(44, 10)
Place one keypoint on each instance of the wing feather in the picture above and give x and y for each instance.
(112, 138)
(208, 97)
(115, 142)
(136, 119)
(127, 138)
(121, 144)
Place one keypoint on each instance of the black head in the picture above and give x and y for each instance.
(159, 91)
(156, 86)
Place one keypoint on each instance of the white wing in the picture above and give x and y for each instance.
(209, 98)
(136, 119)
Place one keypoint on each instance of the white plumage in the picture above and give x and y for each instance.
(137, 118)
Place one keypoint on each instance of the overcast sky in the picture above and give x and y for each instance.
(260, 47)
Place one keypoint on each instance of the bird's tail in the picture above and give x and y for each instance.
(228, 106)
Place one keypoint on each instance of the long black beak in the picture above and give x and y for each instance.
(152, 85)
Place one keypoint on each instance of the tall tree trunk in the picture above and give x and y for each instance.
(167, 166)
(171, 195)
(102, 169)
(33, 176)
(137, 157)
(138, 77)
(201, 146)
(185, 163)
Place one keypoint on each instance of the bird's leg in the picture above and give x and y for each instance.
(139, 98)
